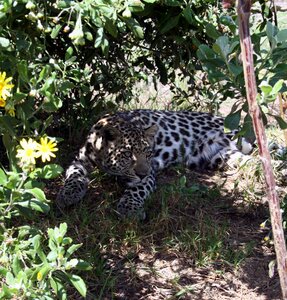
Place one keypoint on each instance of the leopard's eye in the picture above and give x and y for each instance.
(148, 153)
(127, 154)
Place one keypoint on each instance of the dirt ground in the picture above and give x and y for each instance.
(155, 275)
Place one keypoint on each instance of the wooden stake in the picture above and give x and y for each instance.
(243, 11)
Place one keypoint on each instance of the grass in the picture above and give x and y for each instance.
(185, 219)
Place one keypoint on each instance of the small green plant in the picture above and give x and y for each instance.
(35, 267)
(21, 190)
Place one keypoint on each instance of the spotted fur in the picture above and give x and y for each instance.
(136, 145)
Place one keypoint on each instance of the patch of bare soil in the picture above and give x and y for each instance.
(152, 272)
(173, 275)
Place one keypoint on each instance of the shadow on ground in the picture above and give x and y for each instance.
(209, 246)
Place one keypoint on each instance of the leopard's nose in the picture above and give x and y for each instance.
(141, 176)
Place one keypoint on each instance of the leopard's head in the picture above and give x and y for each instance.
(125, 149)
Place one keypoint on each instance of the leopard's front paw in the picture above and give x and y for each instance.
(72, 192)
(129, 207)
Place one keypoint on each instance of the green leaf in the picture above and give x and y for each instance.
(51, 171)
(72, 249)
(205, 53)
(3, 177)
(35, 205)
(36, 240)
(211, 31)
(282, 124)
(13, 180)
(18, 97)
(9, 124)
(67, 241)
(69, 53)
(10, 280)
(247, 129)
(271, 31)
(63, 228)
(236, 70)
(182, 181)
(4, 43)
(228, 21)
(3, 271)
(71, 264)
(52, 255)
(265, 88)
(277, 87)
(64, 4)
(169, 24)
(16, 264)
(7, 292)
(37, 193)
(135, 27)
(56, 31)
(150, 1)
(232, 121)
(34, 184)
(105, 47)
(23, 70)
(221, 47)
(59, 288)
(88, 35)
(101, 41)
(282, 36)
(188, 14)
(52, 103)
(83, 265)
(79, 284)
(111, 28)
(43, 272)
(66, 86)
(135, 5)
(45, 72)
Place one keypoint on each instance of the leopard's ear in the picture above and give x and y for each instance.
(150, 133)
(109, 133)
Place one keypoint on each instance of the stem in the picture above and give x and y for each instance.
(243, 11)
(11, 202)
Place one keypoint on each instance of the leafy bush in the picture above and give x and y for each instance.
(35, 268)
(222, 63)
(64, 62)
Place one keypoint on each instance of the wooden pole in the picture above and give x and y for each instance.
(243, 11)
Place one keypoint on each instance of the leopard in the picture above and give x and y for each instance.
(136, 145)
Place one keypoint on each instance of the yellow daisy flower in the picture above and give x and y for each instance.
(11, 112)
(27, 153)
(46, 149)
(2, 102)
(5, 86)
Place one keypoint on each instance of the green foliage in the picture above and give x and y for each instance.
(21, 193)
(79, 58)
(223, 65)
(70, 61)
(35, 267)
